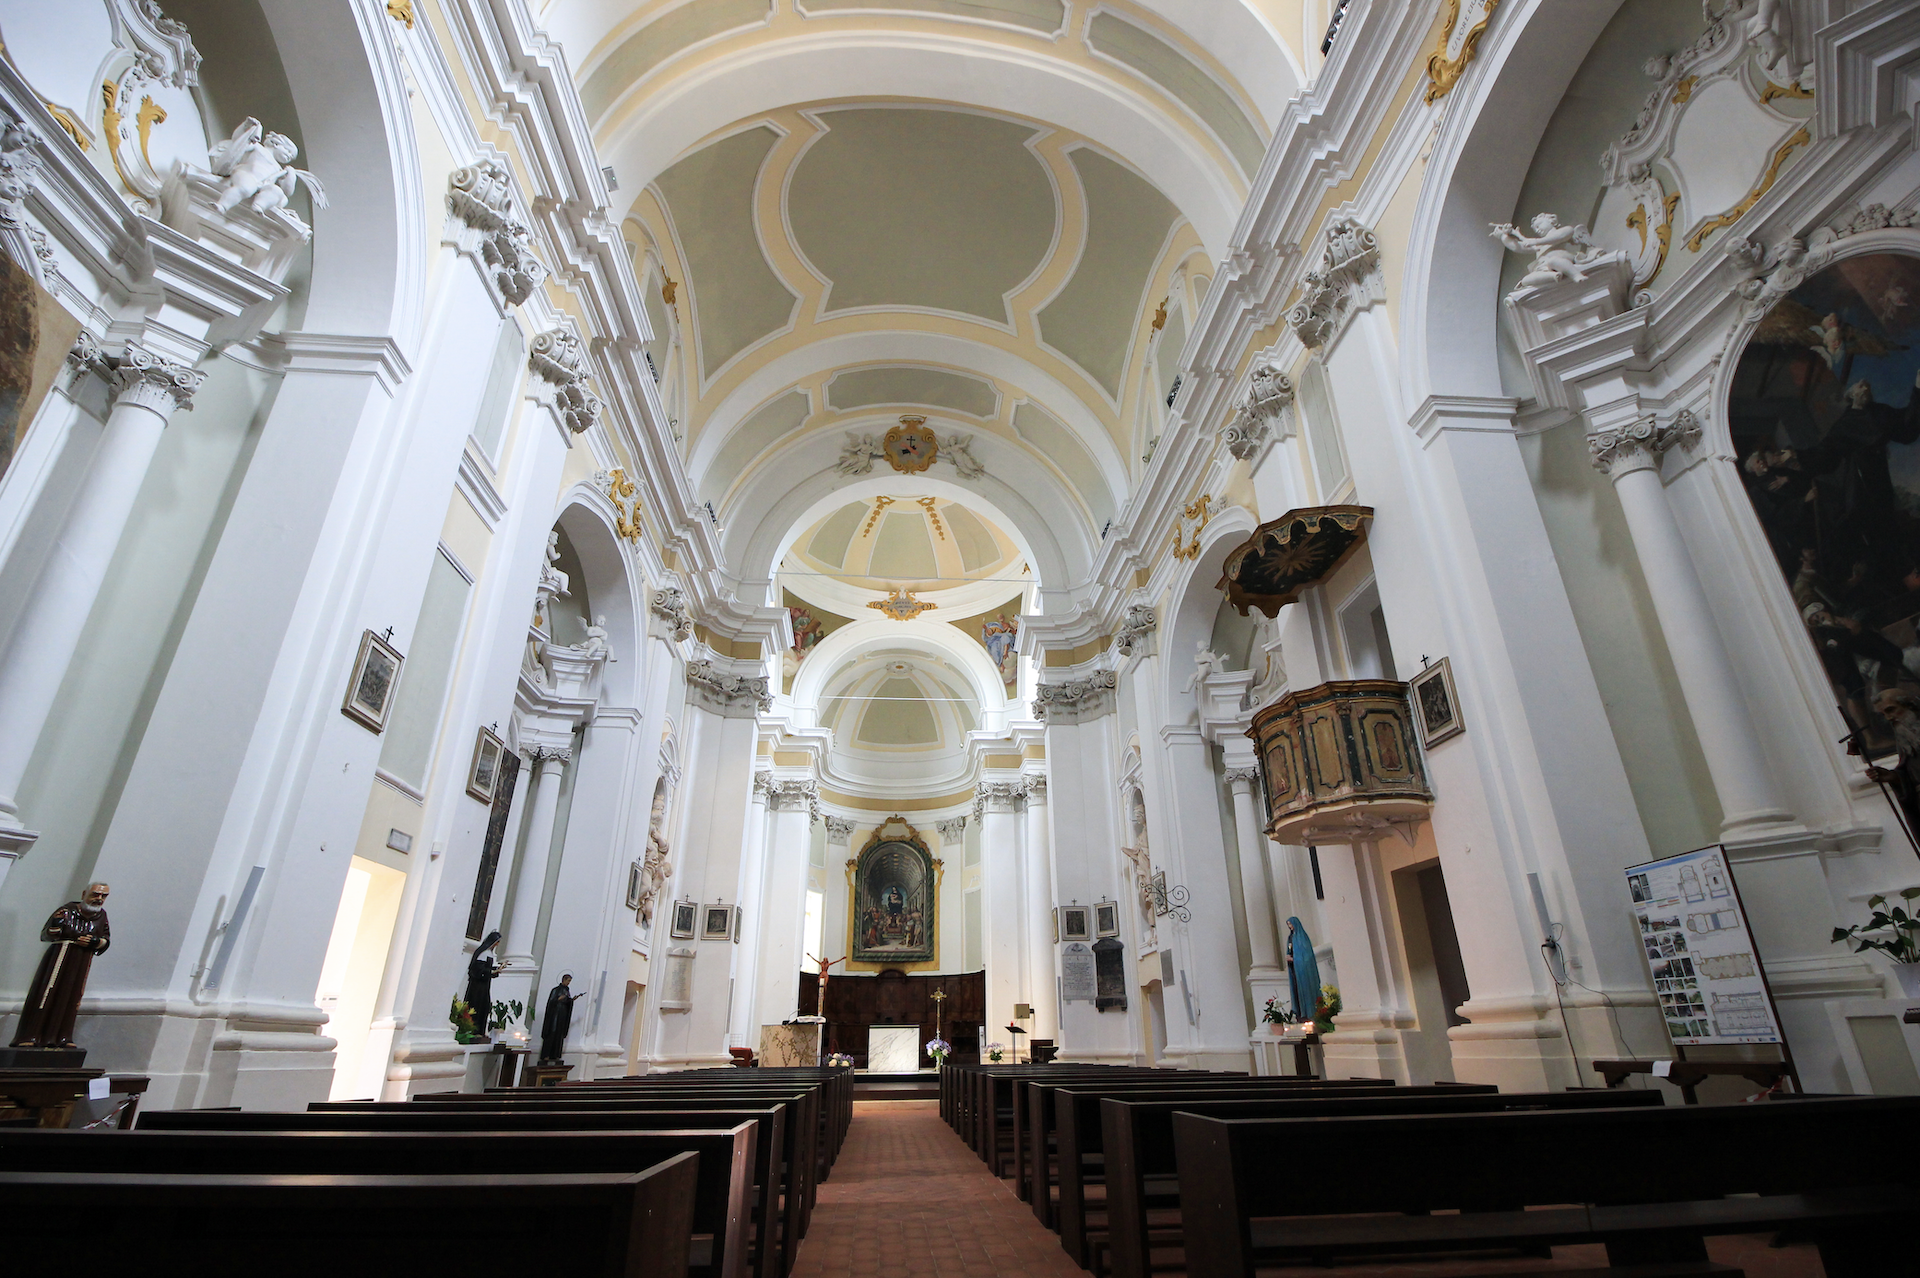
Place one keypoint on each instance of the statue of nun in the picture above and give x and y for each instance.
(481, 969)
(1303, 971)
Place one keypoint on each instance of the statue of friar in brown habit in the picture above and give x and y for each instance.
(78, 931)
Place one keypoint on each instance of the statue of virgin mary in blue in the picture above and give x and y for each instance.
(1303, 971)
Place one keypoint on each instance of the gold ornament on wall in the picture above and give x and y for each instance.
(1460, 33)
(401, 11)
(902, 606)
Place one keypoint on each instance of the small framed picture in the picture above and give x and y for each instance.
(376, 673)
(718, 924)
(484, 777)
(1106, 918)
(1074, 923)
(636, 875)
(684, 915)
(1435, 707)
(739, 920)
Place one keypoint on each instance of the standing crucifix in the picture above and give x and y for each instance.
(939, 997)
(820, 1000)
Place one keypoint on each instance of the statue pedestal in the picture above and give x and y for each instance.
(45, 1096)
(42, 1058)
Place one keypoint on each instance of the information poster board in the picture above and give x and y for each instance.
(1706, 968)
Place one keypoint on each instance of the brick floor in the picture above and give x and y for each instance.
(908, 1199)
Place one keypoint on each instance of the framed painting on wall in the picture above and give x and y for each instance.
(484, 776)
(1074, 923)
(718, 924)
(1435, 707)
(636, 877)
(376, 674)
(895, 898)
(684, 915)
(1106, 918)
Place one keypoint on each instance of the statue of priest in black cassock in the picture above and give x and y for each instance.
(78, 931)
(558, 1020)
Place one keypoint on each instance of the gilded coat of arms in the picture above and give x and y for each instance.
(911, 446)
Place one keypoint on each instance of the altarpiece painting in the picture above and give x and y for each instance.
(896, 886)
(1825, 421)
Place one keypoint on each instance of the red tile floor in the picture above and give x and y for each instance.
(908, 1199)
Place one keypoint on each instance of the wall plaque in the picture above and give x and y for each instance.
(1078, 983)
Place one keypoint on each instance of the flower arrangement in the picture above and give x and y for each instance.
(462, 1017)
(1902, 945)
(1274, 1014)
(1326, 1007)
(938, 1049)
(839, 1060)
(994, 1050)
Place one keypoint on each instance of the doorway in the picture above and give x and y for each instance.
(1436, 976)
(356, 958)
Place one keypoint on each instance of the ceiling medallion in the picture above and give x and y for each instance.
(910, 447)
(901, 605)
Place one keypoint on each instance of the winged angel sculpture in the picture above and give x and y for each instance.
(259, 172)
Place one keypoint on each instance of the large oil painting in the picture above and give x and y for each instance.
(36, 333)
(895, 892)
(1826, 430)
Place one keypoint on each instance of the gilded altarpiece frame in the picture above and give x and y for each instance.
(893, 905)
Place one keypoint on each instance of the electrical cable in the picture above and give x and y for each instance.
(1547, 949)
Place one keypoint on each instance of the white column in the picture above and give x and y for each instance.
(756, 847)
(146, 391)
(1265, 977)
(1630, 456)
(530, 870)
(997, 808)
(1206, 953)
(782, 908)
(1042, 991)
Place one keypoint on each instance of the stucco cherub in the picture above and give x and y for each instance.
(1559, 252)
(259, 172)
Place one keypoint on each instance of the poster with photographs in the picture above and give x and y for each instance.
(1706, 969)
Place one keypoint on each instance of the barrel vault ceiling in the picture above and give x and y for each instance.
(996, 214)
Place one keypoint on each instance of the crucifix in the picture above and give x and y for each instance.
(939, 997)
(820, 999)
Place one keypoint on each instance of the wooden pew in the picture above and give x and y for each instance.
(609, 1225)
(799, 1141)
(808, 1140)
(777, 1221)
(1140, 1172)
(1081, 1157)
(723, 1203)
(999, 1101)
(1039, 1145)
(1649, 1183)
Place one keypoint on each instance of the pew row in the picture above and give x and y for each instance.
(608, 1225)
(1648, 1183)
(347, 1144)
(1141, 1175)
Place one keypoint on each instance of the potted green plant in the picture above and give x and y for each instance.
(1277, 1016)
(1895, 932)
(504, 1015)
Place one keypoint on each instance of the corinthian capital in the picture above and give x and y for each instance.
(138, 376)
(1640, 444)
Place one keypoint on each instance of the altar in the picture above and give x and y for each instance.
(893, 1049)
